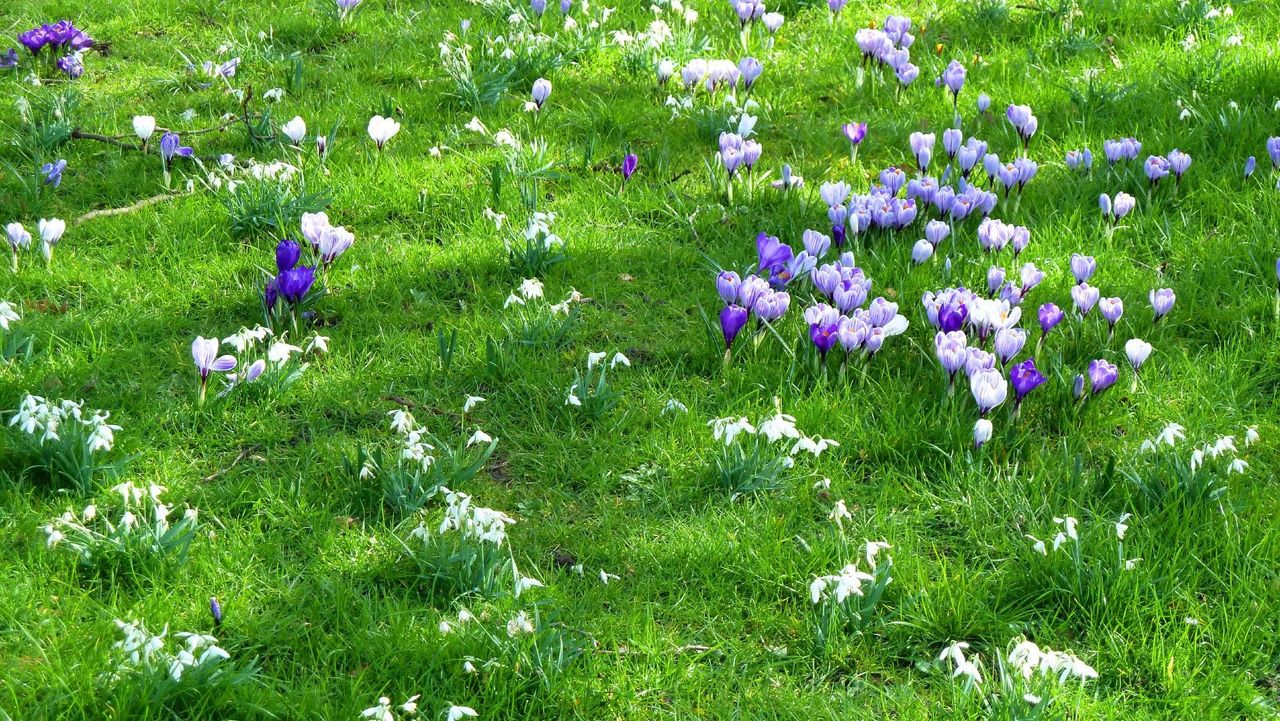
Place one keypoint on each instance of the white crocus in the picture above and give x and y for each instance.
(382, 130)
(295, 129)
(144, 126)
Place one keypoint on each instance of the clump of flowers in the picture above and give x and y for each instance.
(1028, 678)
(1163, 475)
(262, 199)
(70, 443)
(187, 663)
(590, 393)
(65, 43)
(531, 319)
(141, 530)
(753, 459)
(467, 550)
(537, 249)
(848, 599)
(17, 342)
(273, 367)
(424, 464)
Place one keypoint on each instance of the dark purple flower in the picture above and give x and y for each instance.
(1050, 315)
(952, 317)
(1025, 378)
(773, 254)
(287, 254)
(294, 283)
(34, 39)
(732, 320)
(53, 172)
(215, 610)
(824, 337)
(271, 293)
(9, 59)
(629, 164)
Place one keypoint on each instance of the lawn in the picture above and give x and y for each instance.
(491, 454)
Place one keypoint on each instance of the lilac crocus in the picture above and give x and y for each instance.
(921, 251)
(538, 7)
(922, 148)
(983, 103)
(1102, 375)
(1085, 297)
(288, 252)
(732, 319)
(541, 91)
(171, 147)
(749, 69)
(9, 59)
(1156, 168)
(752, 289)
(727, 285)
(815, 243)
(989, 389)
(1083, 267)
(772, 254)
(1162, 302)
(1025, 377)
(72, 65)
(1049, 315)
(204, 351)
(855, 133)
(772, 305)
(982, 432)
(334, 241)
(1008, 343)
(951, 349)
(953, 78)
(952, 139)
(1250, 165)
(1112, 309)
(995, 279)
(936, 231)
(53, 172)
(1031, 276)
(1178, 163)
(835, 6)
(1273, 150)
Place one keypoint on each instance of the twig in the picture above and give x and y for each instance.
(82, 135)
(126, 209)
(246, 453)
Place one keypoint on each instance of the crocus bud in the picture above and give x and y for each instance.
(215, 610)
(982, 431)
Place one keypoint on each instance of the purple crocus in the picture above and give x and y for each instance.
(1162, 302)
(772, 305)
(1250, 165)
(1178, 163)
(1008, 343)
(538, 7)
(1083, 267)
(953, 78)
(171, 146)
(854, 132)
(287, 254)
(215, 610)
(629, 164)
(1025, 378)
(72, 65)
(732, 319)
(1273, 150)
(9, 60)
(824, 336)
(204, 351)
(1085, 297)
(952, 351)
(34, 39)
(1112, 309)
(952, 316)
(53, 172)
(753, 288)
(773, 254)
(294, 284)
(749, 69)
(1102, 375)
(983, 103)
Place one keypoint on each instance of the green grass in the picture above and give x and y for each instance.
(709, 616)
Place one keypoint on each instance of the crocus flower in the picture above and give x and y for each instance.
(19, 239)
(72, 65)
(1008, 343)
(772, 305)
(1112, 309)
(752, 289)
(171, 147)
(1085, 297)
(345, 7)
(835, 6)
(629, 163)
(1031, 277)
(1025, 378)
(382, 130)
(1156, 168)
(538, 7)
(727, 285)
(9, 59)
(204, 351)
(51, 231)
(749, 70)
(982, 432)
(952, 351)
(665, 69)
(294, 284)
(921, 251)
(1178, 163)
(936, 231)
(983, 103)
(53, 172)
(287, 254)
(1083, 267)
(995, 278)
(824, 336)
(788, 180)
(334, 242)
(953, 78)
(922, 148)
(1273, 150)
(1102, 375)
(1162, 302)
(732, 320)
(773, 21)
(952, 316)
(1122, 205)
(295, 129)
(773, 255)
(854, 132)
(34, 39)
(1250, 165)
(541, 91)
(815, 243)
(144, 126)
(906, 73)
(989, 390)
(215, 610)
(1138, 351)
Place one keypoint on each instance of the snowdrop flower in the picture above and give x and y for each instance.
(470, 403)
(381, 712)
(1237, 466)
(9, 315)
(572, 400)
(296, 130)
(1122, 527)
(280, 352)
(456, 713)
(382, 130)
(779, 427)
(476, 126)
(813, 445)
(1250, 436)
(479, 437)
(605, 576)
(1170, 434)
(727, 429)
(1037, 545)
(519, 624)
(144, 126)
(839, 514)
(674, 406)
(275, 94)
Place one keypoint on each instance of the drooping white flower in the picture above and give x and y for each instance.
(296, 129)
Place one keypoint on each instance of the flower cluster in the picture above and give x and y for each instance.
(143, 528)
(752, 459)
(70, 442)
(534, 251)
(50, 231)
(65, 42)
(277, 369)
(1029, 678)
(850, 596)
(196, 659)
(887, 46)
